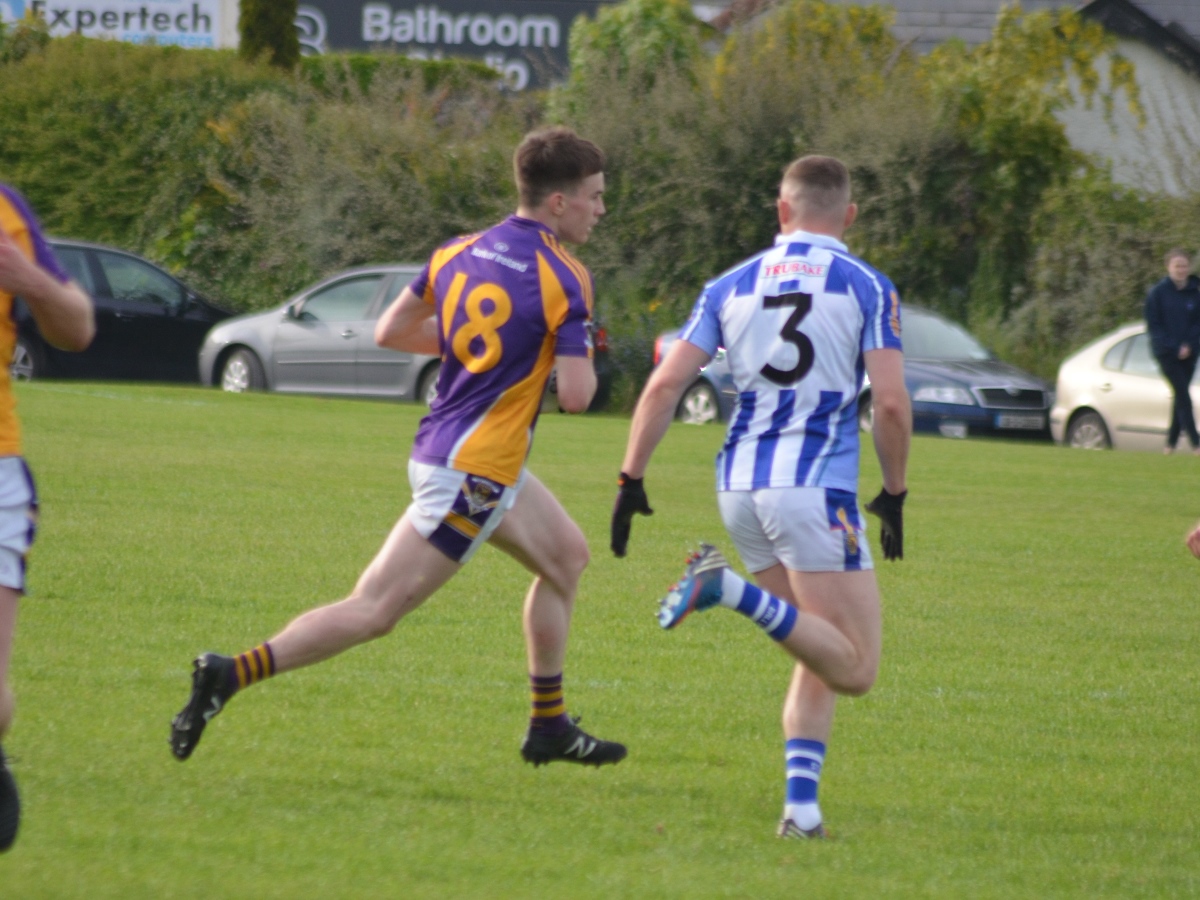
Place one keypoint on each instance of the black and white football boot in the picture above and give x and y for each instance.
(789, 829)
(573, 745)
(211, 676)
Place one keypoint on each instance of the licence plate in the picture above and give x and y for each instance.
(1016, 420)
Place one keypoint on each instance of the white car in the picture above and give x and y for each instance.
(1112, 394)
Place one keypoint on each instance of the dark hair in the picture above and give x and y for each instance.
(822, 183)
(553, 159)
(1174, 252)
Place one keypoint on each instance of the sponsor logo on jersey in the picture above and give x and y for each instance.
(779, 270)
(497, 256)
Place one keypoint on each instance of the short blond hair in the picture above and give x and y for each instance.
(819, 184)
(1174, 252)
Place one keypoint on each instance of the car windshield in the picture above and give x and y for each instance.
(932, 337)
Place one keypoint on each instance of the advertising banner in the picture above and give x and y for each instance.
(524, 40)
(188, 23)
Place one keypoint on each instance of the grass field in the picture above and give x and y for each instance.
(1033, 732)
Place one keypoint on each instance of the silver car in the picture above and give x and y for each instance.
(322, 341)
(1112, 394)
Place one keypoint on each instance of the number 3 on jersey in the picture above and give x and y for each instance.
(791, 334)
(480, 325)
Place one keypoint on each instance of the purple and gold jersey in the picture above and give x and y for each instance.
(20, 224)
(508, 300)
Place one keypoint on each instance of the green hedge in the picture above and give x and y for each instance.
(251, 181)
(247, 180)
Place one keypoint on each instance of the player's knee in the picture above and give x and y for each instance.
(580, 556)
(380, 616)
(378, 624)
(860, 682)
(570, 561)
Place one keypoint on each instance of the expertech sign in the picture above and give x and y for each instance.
(188, 23)
(524, 40)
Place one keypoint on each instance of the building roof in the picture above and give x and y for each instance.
(1172, 39)
(927, 23)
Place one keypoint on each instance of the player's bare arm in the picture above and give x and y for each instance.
(659, 400)
(576, 383)
(651, 419)
(408, 325)
(63, 312)
(892, 433)
(892, 428)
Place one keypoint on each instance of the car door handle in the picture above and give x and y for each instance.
(1107, 386)
(349, 333)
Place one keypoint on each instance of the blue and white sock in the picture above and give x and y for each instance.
(804, 761)
(774, 616)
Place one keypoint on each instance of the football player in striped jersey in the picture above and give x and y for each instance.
(801, 322)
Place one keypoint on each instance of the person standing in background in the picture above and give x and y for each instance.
(1172, 312)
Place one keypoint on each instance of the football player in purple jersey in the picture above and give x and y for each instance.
(64, 316)
(503, 308)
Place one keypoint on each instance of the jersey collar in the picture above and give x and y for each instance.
(809, 237)
(522, 222)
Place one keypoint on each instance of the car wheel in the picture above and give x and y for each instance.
(1087, 431)
(866, 414)
(427, 387)
(699, 405)
(25, 364)
(242, 372)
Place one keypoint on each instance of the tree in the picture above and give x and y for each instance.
(696, 144)
(268, 27)
(997, 102)
(29, 35)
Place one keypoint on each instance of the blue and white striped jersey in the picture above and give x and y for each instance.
(795, 321)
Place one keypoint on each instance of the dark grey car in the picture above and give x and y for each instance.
(957, 386)
(321, 341)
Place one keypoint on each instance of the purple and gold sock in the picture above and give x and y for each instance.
(252, 667)
(549, 710)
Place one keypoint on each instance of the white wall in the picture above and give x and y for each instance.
(1163, 156)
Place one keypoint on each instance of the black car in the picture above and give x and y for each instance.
(149, 325)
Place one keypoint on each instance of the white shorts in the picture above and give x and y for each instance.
(807, 529)
(454, 511)
(18, 520)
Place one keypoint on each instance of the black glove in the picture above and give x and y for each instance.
(631, 498)
(890, 509)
